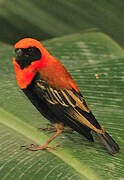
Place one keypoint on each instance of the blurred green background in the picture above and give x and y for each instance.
(44, 19)
(87, 37)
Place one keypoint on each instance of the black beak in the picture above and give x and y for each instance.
(18, 54)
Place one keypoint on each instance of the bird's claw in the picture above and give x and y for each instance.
(49, 128)
(35, 147)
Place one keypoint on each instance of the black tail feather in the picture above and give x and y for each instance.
(109, 143)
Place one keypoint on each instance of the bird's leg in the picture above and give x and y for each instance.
(59, 128)
(49, 128)
(52, 128)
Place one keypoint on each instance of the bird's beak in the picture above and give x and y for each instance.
(18, 54)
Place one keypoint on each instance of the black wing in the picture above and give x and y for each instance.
(68, 107)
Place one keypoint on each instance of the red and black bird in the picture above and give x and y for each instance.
(51, 89)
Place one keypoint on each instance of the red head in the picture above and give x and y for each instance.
(30, 57)
(28, 51)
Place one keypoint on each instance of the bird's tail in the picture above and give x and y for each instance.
(109, 143)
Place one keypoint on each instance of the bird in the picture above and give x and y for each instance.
(54, 93)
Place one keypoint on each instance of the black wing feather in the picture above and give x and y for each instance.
(64, 106)
(66, 101)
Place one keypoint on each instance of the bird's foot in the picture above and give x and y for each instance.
(52, 128)
(35, 147)
(49, 128)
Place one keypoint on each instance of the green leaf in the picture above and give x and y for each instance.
(96, 63)
(46, 19)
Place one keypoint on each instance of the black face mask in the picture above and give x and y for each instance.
(25, 56)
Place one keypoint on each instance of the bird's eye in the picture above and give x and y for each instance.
(30, 50)
(34, 53)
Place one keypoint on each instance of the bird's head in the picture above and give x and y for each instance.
(29, 51)
(30, 57)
